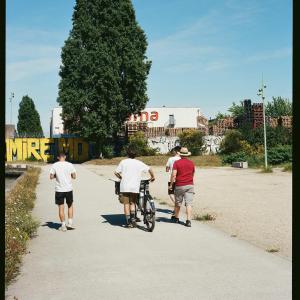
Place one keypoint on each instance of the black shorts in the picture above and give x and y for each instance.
(61, 196)
(172, 191)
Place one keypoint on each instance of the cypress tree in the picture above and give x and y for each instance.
(104, 69)
(29, 124)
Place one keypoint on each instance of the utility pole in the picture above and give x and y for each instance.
(12, 95)
(261, 93)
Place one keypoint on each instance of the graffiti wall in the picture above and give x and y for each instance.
(164, 143)
(212, 144)
(46, 149)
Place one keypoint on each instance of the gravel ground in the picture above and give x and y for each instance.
(250, 205)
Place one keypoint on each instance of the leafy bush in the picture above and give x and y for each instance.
(280, 154)
(108, 151)
(140, 144)
(193, 140)
(275, 136)
(231, 142)
(19, 224)
(237, 156)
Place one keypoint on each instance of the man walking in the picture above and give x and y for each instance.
(130, 172)
(169, 169)
(183, 176)
(63, 172)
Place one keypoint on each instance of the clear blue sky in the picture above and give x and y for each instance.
(205, 53)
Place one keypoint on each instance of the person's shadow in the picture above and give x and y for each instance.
(114, 220)
(52, 225)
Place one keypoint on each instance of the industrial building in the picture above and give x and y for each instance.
(56, 123)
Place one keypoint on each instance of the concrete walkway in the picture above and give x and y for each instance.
(102, 260)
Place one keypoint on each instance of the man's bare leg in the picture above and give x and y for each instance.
(61, 212)
(70, 215)
(127, 212)
(177, 210)
(189, 212)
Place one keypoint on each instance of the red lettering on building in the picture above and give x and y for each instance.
(154, 116)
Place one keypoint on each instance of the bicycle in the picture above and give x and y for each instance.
(145, 203)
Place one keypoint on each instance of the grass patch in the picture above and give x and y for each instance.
(19, 224)
(267, 169)
(272, 250)
(205, 217)
(163, 203)
(287, 167)
(160, 160)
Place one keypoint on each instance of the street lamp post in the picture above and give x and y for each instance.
(261, 93)
(12, 95)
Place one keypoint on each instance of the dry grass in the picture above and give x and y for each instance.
(19, 224)
(160, 160)
(206, 217)
(272, 250)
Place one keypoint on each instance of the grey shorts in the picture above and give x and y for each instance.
(186, 193)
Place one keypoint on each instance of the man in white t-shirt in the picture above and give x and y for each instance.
(130, 172)
(169, 168)
(63, 172)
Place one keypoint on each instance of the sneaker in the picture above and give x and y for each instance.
(137, 219)
(63, 228)
(70, 226)
(133, 222)
(129, 225)
(188, 223)
(174, 219)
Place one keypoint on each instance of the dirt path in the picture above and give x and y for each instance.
(102, 260)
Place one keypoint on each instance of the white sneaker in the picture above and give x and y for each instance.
(71, 226)
(63, 228)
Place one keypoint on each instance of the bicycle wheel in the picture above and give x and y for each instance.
(150, 221)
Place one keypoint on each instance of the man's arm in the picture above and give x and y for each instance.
(173, 178)
(151, 174)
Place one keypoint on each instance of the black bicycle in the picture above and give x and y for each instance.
(145, 203)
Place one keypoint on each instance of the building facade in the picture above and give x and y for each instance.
(56, 123)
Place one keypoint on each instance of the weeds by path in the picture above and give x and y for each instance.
(287, 167)
(160, 160)
(19, 224)
(206, 217)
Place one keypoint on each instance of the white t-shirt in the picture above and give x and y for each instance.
(62, 171)
(131, 171)
(170, 164)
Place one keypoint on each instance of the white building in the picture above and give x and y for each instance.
(56, 123)
(172, 117)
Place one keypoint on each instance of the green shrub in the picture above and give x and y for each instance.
(108, 151)
(288, 167)
(280, 154)
(193, 140)
(237, 156)
(140, 144)
(19, 224)
(231, 142)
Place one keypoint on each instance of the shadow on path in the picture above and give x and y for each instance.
(168, 220)
(165, 211)
(52, 225)
(114, 220)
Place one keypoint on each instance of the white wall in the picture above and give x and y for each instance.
(57, 122)
(185, 117)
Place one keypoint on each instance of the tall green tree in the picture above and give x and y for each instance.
(104, 69)
(236, 110)
(29, 124)
(279, 107)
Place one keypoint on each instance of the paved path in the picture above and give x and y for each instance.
(102, 260)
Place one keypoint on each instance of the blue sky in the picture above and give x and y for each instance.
(204, 53)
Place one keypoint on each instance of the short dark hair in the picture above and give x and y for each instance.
(61, 153)
(131, 152)
(177, 148)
